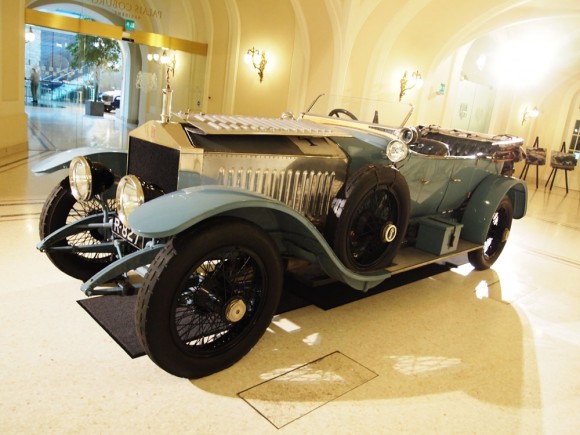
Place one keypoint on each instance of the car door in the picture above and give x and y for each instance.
(428, 178)
(465, 174)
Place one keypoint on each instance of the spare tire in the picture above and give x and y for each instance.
(369, 217)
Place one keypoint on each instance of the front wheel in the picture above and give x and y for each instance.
(497, 235)
(208, 297)
(60, 209)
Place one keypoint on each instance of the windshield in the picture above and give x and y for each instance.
(388, 113)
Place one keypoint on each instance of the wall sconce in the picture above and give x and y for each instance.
(257, 59)
(164, 58)
(533, 113)
(29, 36)
(415, 81)
(153, 57)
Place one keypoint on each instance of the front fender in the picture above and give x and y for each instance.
(484, 202)
(114, 159)
(183, 209)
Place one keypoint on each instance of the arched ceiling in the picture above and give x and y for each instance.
(422, 33)
(361, 47)
(369, 36)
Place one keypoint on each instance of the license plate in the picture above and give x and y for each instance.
(127, 234)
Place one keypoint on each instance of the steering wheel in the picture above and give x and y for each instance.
(335, 112)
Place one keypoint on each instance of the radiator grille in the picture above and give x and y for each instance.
(153, 163)
(307, 192)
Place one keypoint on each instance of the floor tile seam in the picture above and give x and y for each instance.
(5, 167)
(560, 259)
(18, 217)
(13, 157)
(36, 131)
(571, 197)
(554, 222)
(16, 203)
(15, 164)
(33, 199)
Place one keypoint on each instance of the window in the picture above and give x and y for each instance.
(575, 141)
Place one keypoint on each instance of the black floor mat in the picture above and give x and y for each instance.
(115, 314)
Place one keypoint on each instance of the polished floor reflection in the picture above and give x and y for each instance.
(61, 126)
(492, 352)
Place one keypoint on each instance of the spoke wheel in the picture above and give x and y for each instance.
(208, 297)
(497, 235)
(60, 209)
(377, 213)
(369, 228)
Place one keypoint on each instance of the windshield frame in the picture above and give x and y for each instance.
(368, 112)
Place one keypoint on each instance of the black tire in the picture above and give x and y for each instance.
(61, 208)
(497, 235)
(369, 221)
(188, 311)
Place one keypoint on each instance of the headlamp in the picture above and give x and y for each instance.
(397, 151)
(131, 193)
(88, 179)
(408, 135)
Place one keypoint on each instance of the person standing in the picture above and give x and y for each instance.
(34, 83)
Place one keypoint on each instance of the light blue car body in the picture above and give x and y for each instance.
(437, 185)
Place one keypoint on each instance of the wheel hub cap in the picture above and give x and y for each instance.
(235, 310)
(389, 233)
(505, 235)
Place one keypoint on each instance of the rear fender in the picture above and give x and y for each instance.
(116, 160)
(484, 202)
(296, 236)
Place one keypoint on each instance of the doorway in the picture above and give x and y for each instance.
(56, 91)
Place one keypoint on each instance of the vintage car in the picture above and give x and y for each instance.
(212, 209)
(111, 100)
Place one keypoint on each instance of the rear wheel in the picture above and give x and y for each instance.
(208, 297)
(497, 235)
(60, 209)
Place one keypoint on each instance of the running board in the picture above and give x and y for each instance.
(409, 258)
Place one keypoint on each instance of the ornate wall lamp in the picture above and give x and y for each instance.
(408, 83)
(153, 57)
(257, 59)
(164, 59)
(29, 36)
(532, 113)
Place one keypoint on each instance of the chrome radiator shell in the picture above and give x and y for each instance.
(304, 172)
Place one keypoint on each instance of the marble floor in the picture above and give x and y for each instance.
(491, 352)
